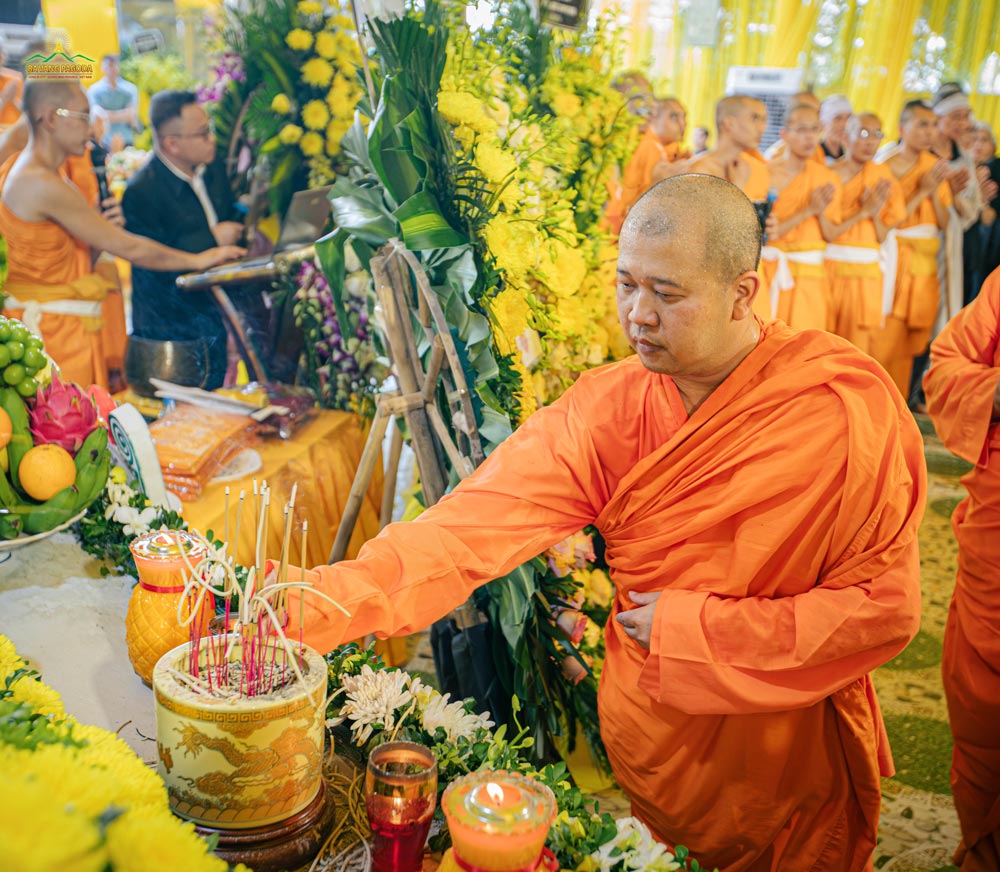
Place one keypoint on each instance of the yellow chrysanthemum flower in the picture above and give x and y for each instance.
(177, 844)
(460, 107)
(290, 134)
(341, 96)
(42, 698)
(281, 104)
(563, 267)
(299, 39)
(9, 659)
(315, 115)
(494, 162)
(513, 244)
(317, 72)
(39, 834)
(309, 7)
(326, 45)
(311, 144)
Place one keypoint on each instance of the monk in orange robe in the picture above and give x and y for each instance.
(871, 205)
(661, 144)
(913, 245)
(963, 396)
(11, 88)
(756, 588)
(807, 214)
(52, 235)
(740, 122)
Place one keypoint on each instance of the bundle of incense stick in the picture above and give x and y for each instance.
(264, 660)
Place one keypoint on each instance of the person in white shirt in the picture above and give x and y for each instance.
(116, 102)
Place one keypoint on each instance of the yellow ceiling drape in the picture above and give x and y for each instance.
(876, 39)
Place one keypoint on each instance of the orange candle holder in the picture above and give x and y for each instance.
(151, 625)
(498, 821)
(400, 797)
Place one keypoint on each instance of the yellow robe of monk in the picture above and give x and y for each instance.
(960, 386)
(638, 176)
(48, 266)
(856, 292)
(750, 731)
(915, 306)
(806, 304)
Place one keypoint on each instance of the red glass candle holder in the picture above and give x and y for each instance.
(400, 795)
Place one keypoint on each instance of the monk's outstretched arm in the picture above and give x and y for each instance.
(962, 382)
(539, 486)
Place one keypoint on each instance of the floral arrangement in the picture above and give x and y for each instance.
(151, 73)
(119, 515)
(285, 78)
(339, 361)
(379, 705)
(490, 156)
(76, 797)
(124, 164)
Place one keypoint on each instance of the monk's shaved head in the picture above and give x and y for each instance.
(43, 94)
(731, 107)
(720, 220)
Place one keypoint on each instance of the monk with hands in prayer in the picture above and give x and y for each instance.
(764, 565)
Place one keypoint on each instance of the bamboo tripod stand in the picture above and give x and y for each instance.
(405, 295)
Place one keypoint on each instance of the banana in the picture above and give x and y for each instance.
(52, 513)
(92, 448)
(20, 442)
(90, 482)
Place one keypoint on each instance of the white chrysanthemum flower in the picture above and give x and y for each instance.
(634, 849)
(452, 718)
(372, 700)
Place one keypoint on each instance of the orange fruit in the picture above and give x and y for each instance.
(6, 428)
(45, 470)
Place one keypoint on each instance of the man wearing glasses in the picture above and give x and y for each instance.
(54, 236)
(181, 198)
(872, 203)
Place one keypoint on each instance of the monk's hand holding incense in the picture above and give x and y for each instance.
(638, 622)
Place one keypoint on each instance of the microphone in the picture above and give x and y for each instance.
(99, 157)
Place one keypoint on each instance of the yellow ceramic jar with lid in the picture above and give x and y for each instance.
(151, 625)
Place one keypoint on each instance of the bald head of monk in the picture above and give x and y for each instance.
(802, 131)
(864, 136)
(687, 277)
(741, 121)
(58, 112)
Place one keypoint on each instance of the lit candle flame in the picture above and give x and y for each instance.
(495, 792)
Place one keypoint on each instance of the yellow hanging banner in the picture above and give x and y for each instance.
(92, 28)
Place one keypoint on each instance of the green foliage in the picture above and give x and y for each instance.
(156, 71)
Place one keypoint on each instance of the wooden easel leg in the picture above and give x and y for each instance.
(391, 473)
(362, 480)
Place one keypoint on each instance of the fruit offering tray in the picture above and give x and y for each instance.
(54, 457)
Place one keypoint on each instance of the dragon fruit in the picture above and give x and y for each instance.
(62, 414)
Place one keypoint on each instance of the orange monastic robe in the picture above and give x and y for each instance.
(915, 306)
(638, 176)
(10, 113)
(114, 334)
(801, 296)
(50, 268)
(750, 731)
(856, 290)
(960, 386)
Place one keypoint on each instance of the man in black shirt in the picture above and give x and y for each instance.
(181, 198)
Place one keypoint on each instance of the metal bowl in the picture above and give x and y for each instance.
(183, 362)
